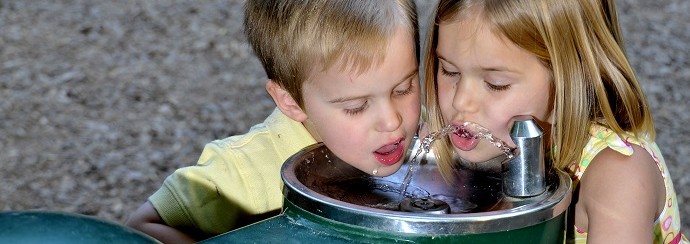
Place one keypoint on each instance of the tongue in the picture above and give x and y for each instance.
(387, 149)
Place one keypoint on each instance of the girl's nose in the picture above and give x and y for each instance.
(465, 96)
(390, 119)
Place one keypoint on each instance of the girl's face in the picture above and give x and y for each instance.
(368, 120)
(486, 79)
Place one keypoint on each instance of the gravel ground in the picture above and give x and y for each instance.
(100, 100)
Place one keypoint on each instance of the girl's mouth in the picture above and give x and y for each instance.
(464, 139)
(390, 154)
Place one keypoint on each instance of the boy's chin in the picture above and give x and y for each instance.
(382, 170)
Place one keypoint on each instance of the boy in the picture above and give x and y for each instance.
(344, 73)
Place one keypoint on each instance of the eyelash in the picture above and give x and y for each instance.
(491, 86)
(357, 110)
(406, 91)
(449, 74)
(497, 88)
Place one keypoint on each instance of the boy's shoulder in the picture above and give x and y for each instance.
(274, 125)
(277, 133)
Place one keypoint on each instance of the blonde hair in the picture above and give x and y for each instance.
(581, 43)
(292, 38)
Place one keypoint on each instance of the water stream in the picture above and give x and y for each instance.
(466, 130)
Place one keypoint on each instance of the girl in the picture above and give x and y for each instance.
(561, 62)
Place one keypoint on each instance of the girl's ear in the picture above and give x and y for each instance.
(285, 102)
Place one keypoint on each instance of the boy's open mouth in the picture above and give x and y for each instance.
(391, 153)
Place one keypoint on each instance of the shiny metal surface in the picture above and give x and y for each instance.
(424, 205)
(320, 183)
(524, 175)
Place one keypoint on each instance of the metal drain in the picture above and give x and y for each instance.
(424, 205)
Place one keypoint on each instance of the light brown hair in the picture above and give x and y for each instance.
(292, 38)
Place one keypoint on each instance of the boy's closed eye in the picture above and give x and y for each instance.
(408, 88)
(352, 105)
(356, 105)
(358, 109)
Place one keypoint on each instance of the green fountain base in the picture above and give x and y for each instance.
(298, 226)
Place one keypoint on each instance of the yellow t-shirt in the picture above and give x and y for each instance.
(667, 225)
(236, 180)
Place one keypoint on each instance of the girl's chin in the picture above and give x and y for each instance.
(476, 157)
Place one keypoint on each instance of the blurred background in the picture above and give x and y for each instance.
(101, 100)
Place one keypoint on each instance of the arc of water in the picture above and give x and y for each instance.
(467, 129)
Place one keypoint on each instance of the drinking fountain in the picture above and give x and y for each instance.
(326, 200)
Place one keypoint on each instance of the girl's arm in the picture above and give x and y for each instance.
(620, 197)
(147, 220)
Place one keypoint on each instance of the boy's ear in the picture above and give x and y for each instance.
(285, 102)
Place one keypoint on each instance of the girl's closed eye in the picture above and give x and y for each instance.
(357, 110)
(495, 87)
(497, 83)
(448, 73)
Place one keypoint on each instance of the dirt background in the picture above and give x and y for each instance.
(101, 100)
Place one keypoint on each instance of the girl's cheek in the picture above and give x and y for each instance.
(502, 125)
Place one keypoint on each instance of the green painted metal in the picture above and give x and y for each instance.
(59, 227)
(295, 225)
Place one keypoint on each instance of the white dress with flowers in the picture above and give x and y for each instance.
(667, 226)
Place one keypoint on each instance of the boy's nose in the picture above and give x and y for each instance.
(390, 119)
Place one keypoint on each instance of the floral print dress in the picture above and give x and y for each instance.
(667, 226)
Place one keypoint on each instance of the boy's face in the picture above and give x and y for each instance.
(369, 119)
(487, 80)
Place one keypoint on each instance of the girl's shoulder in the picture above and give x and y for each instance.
(621, 178)
(618, 158)
(602, 137)
(625, 171)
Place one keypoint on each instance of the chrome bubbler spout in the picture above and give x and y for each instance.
(524, 175)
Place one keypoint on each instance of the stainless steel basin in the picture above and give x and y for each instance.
(320, 183)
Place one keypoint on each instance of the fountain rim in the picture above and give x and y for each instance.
(526, 215)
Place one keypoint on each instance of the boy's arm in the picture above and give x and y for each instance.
(147, 220)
